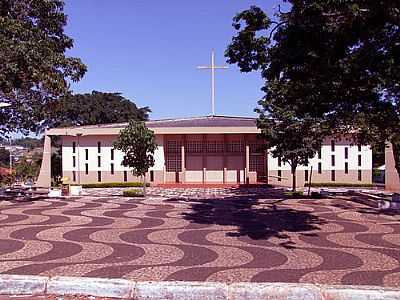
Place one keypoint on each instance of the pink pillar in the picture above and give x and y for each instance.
(247, 163)
(392, 182)
(183, 158)
(44, 179)
(203, 157)
(225, 161)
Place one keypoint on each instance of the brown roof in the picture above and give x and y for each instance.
(205, 121)
(193, 125)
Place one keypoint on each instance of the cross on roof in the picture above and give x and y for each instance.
(213, 67)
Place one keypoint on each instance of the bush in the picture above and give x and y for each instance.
(132, 193)
(113, 185)
(297, 194)
(338, 184)
(316, 195)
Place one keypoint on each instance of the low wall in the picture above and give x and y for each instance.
(120, 288)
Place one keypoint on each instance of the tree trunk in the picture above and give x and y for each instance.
(144, 185)
(396, 156)
(294, 178)
(309, 182)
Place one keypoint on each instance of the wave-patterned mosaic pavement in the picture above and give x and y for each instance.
(198, 235)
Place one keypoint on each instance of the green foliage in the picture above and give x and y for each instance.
(137, 142)
(7, 179)
(4, 157)
(28, 142)
(56, 165)
(294, 194)
(95, 108)
(132, 193)
(377, 172)
(27, 168)
(113, 185)
(292, 139)
(333, 63)
(316, 195)
(34, 70)
(56, 160)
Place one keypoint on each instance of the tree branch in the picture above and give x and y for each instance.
(276, 27)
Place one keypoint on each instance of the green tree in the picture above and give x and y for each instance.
(336, 62)
(56, 165)
(292, 140)
(34, 70)
(27, 168)
(4, 157)
(292, 137)
(95, 108)
(137, 142)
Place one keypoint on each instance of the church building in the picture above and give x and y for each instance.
(201, 150)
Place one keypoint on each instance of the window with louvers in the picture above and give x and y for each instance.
(194, 147)
(235, 147)
(256, 164)
(173, 161)
(215, 147)
(256, 148)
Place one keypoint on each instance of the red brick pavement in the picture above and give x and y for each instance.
(235, 235)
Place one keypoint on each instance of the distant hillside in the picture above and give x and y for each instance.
(28, 142)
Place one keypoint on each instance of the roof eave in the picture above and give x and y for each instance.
(157, 130)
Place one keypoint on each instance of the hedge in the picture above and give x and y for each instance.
(297, 194)
(113, 185)
(337, 184)
(132, 193)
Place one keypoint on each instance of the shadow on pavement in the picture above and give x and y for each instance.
(255, 222)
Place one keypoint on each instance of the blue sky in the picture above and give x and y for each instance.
(149, 50)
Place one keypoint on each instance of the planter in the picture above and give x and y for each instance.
(384, 204)
(396, 197)
(75, 190)
(65, 190)
(55, 192)
(324, 193)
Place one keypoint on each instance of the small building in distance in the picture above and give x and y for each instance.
(202, 150)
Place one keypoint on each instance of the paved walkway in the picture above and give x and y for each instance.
(53, 297)
(197, 235)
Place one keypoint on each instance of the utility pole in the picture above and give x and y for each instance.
(11, 163)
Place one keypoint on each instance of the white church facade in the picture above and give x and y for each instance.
(202, 150)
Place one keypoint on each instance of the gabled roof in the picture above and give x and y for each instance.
(205, 124)
(206, 121)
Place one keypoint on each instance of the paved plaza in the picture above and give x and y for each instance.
(228, 235)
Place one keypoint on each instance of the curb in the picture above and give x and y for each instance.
(261, 291)
(100, 287)
(180, 290)
(174, 290)
(21, 284)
